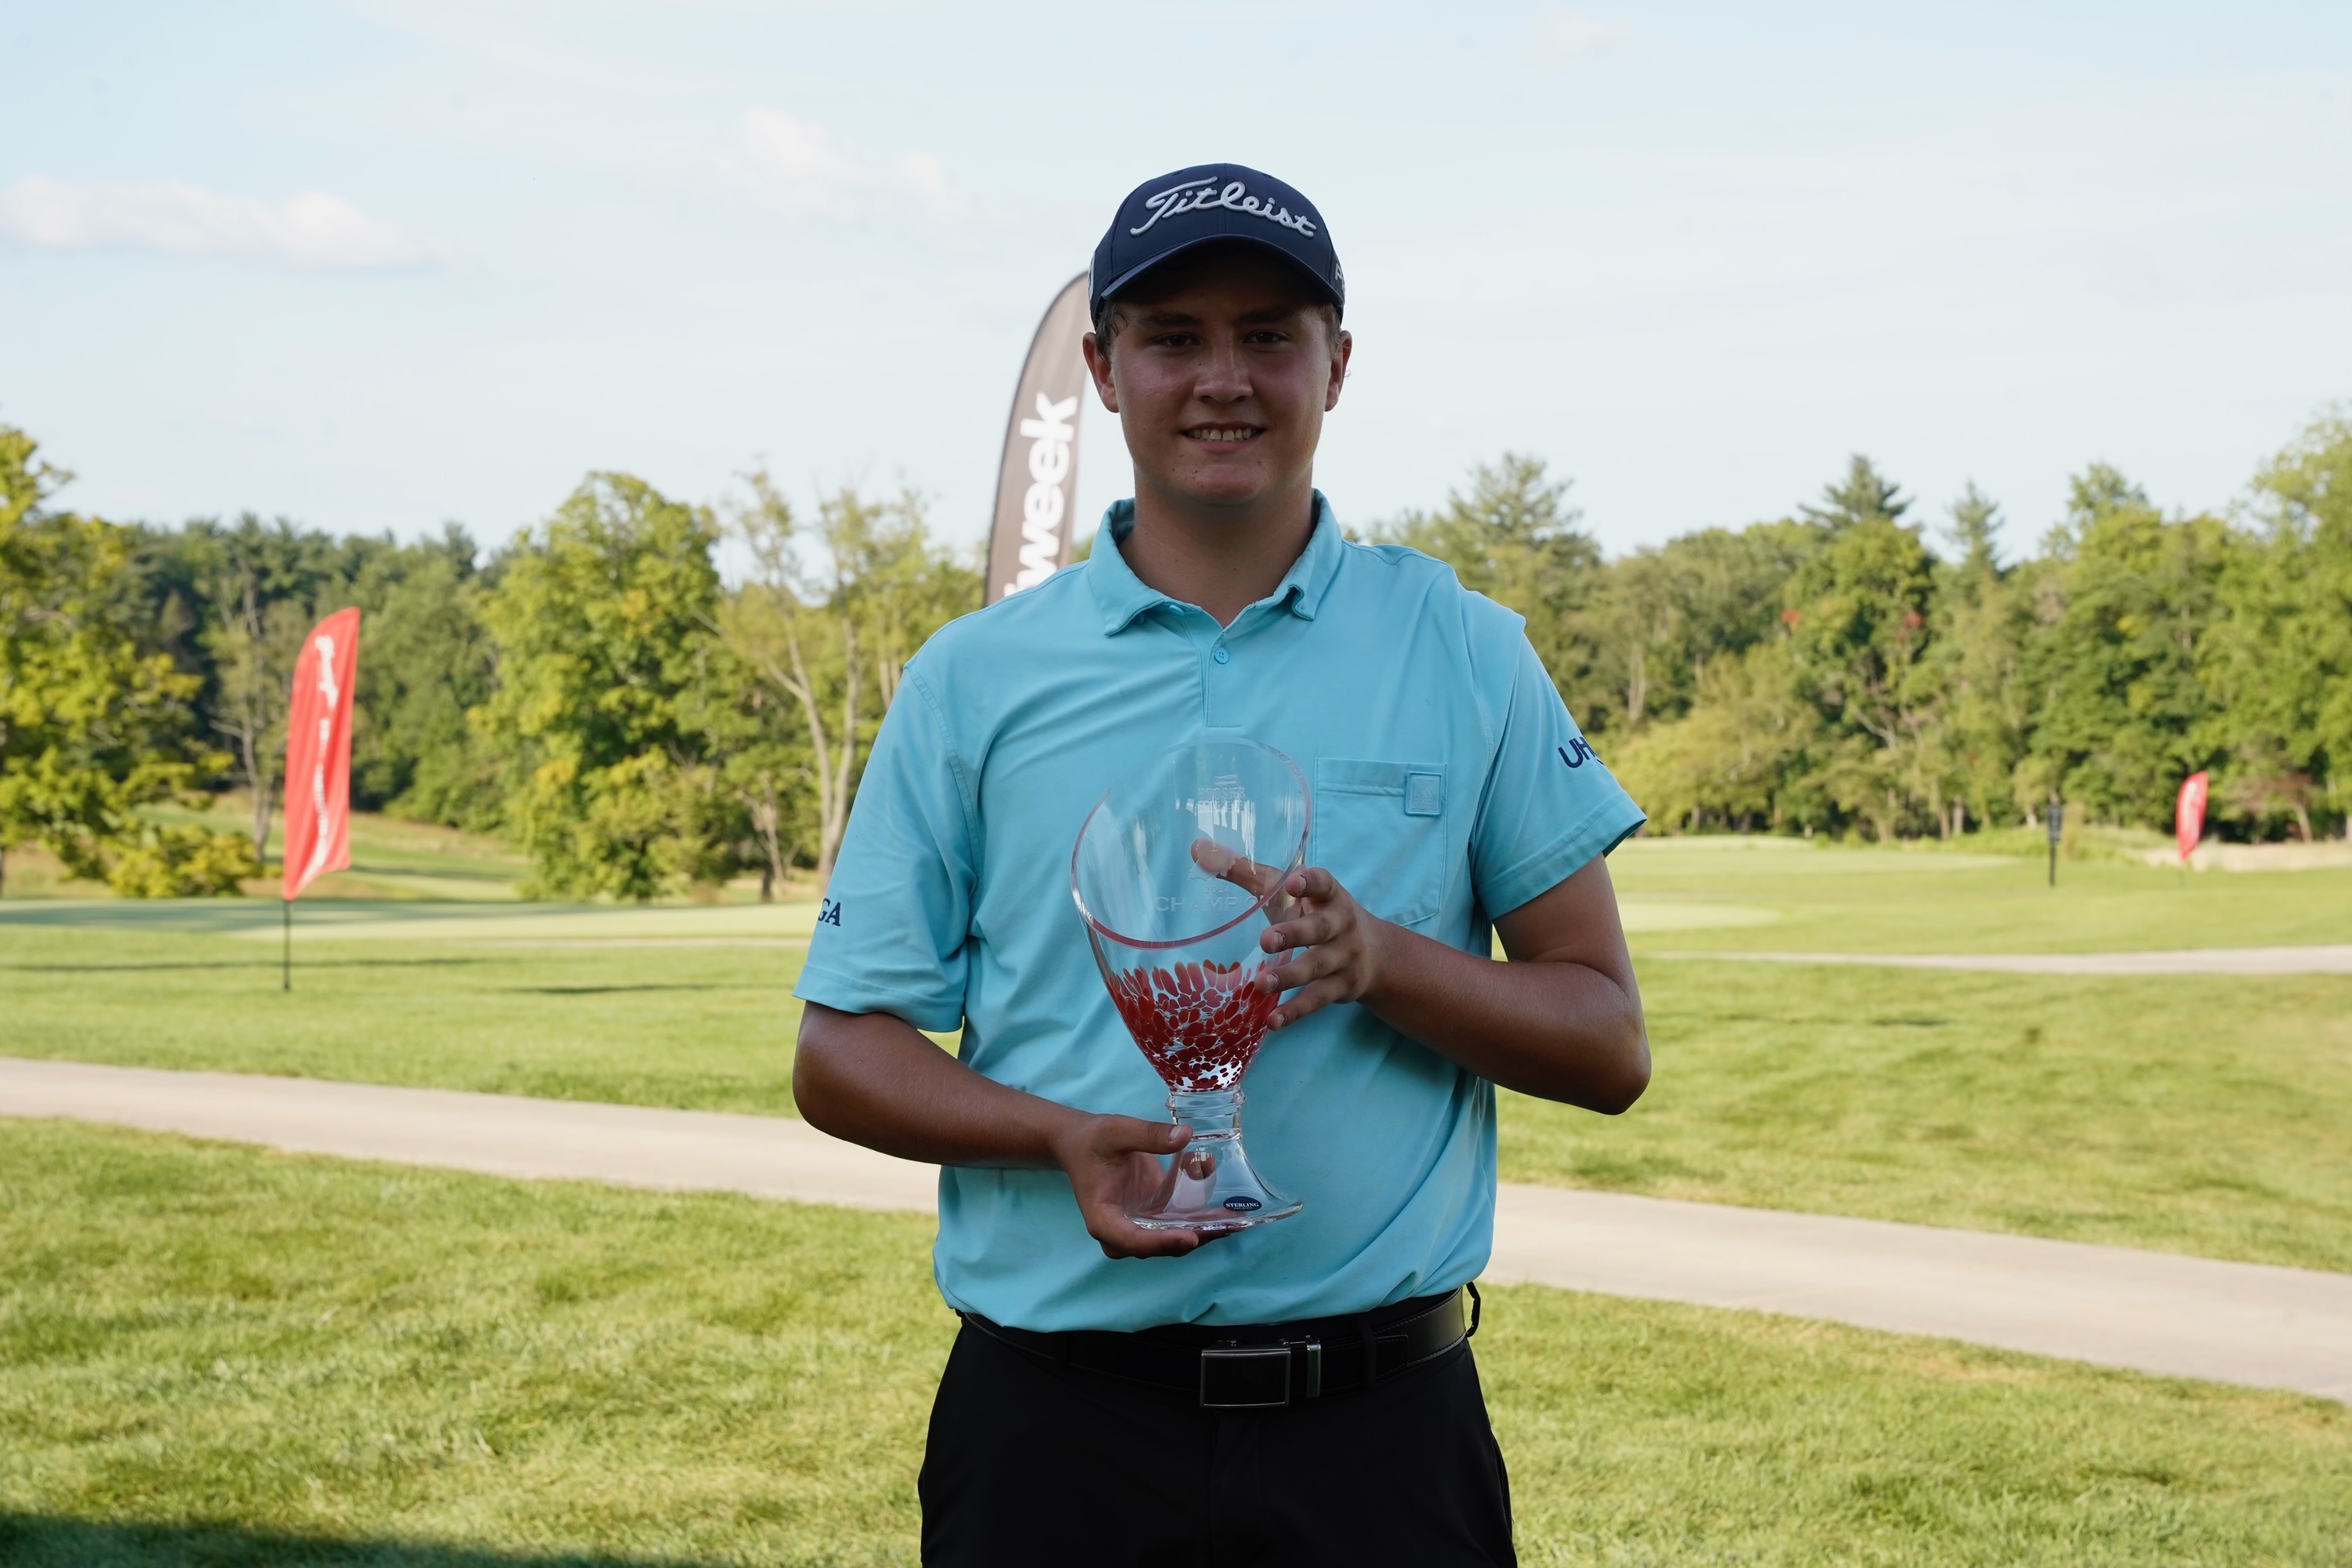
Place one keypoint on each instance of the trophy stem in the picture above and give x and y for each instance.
(1209, 1184)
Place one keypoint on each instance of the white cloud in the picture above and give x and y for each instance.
(1563, 34)
(803, 169)
(314, 229)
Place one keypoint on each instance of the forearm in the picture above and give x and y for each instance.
(1561, 1021)
(1557, 1029)
(873, 1079)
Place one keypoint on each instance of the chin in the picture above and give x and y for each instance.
(1223, 490)
(1237, 476)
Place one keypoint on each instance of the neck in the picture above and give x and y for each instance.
(1224, 559)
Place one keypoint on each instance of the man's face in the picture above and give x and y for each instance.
(1221, 375)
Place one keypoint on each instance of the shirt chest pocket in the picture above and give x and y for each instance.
(1380, 829)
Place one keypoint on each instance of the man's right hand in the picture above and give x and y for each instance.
(1111, 1160)
(871, 1079)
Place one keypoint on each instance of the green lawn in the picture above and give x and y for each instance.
(213, 1355)
(2196, 1114)
(1793, 896)
(524, 1012)
(2201, 1114)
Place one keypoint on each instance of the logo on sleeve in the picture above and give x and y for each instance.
(1577, 753)
(831, 916)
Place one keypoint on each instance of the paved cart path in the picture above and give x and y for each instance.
(2184, 961)
(2232, 1322)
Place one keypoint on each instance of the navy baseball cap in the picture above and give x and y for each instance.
(1175, 213)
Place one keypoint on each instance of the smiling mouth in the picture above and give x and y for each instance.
(1224, 435)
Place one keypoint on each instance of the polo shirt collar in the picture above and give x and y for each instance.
(1121, 595)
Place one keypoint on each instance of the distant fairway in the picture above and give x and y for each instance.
(370, 921)
(1929, 899)
(673, 1006)
(2202, 1114)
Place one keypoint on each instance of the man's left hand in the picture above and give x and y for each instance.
(1344, 946)
(1561, 1021)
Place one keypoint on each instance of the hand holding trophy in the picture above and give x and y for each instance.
(1177, 872)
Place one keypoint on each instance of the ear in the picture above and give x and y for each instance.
(1342, 348)
(1098, 367)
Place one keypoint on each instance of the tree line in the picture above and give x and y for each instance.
(596, 692)
(592, 690)
(1851, 669)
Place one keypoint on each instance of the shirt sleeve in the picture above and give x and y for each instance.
(1551, 804)
(891, 934)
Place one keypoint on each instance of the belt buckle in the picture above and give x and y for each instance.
(1253, 1378)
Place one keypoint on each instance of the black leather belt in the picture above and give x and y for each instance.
(1262, 1365)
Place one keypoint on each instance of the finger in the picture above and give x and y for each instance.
(1255, 876)
(1312, 999)
(1107, 1221)
(1250, 876)
(1134, 1241)
(1306, 930)
(1313, 882)
(1309, 967)
(1117, 1137)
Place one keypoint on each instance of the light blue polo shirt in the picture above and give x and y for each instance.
(1450, 785)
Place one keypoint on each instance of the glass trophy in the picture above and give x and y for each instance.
(1177, 872)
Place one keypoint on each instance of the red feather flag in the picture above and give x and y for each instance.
(319, 752)
(2188, 815)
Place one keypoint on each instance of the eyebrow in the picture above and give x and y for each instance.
(1262, 316)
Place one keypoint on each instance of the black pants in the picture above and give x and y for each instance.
(1035, 1465)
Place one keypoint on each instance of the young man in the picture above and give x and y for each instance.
(1079, 1421)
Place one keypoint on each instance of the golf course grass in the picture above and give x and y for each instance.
(220, 1356)
(1832, 899)
(2200, 1114)
(213, 1355)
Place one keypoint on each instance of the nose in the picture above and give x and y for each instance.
(1225, 372)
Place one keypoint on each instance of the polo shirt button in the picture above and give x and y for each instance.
(1222, 655)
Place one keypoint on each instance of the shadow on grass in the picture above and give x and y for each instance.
(34, 1540)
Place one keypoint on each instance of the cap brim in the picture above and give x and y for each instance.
(1322, 285)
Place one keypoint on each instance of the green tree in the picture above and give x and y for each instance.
(183, 862)
(426, 661)
(1735, 759)
(1864, 495)
(1663, 616)
(1857, 613)
(1515, 539)
(602, 621)
(1979, 621)
(91, 725)
(231, 603)
(2111, 670)
(825, 624)
(2276, 666)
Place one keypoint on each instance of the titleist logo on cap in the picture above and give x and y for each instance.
(1194, 195)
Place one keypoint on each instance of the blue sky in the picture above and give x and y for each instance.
(376, 265)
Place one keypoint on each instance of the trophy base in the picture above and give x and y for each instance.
(1209, 1184)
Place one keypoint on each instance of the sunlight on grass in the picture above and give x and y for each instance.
(2089, 1110)
(196, 1335)
(2097, 1110)
(1644, 915)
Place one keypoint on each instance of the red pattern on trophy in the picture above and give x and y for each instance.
(1199, 1023)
